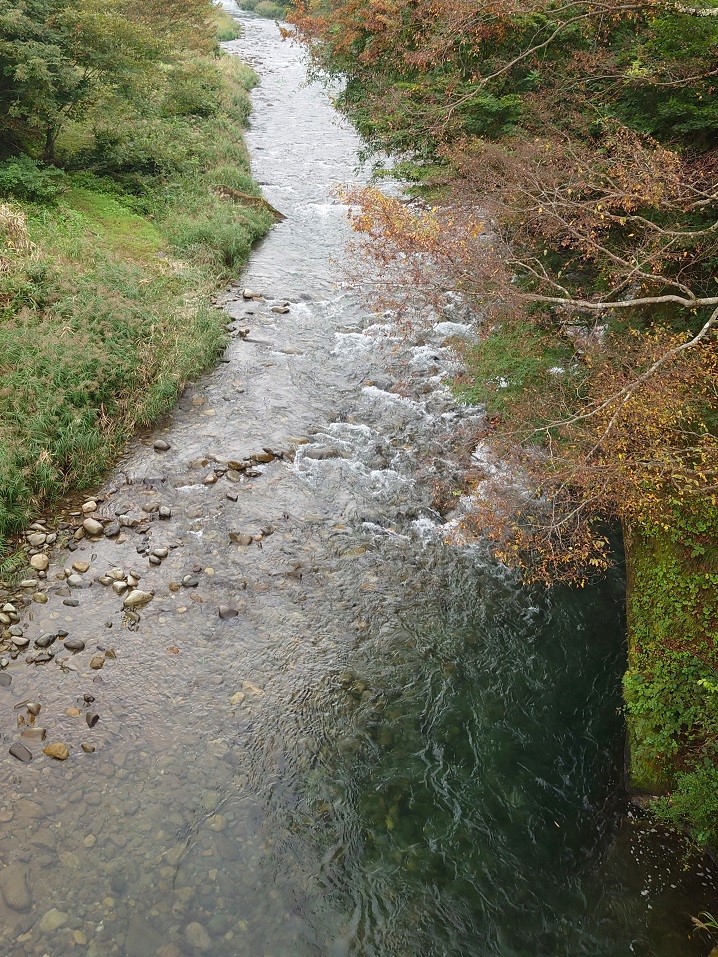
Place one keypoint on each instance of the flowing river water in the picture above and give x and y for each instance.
(384, 746)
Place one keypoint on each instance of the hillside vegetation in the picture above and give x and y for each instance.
(566, 154)
(119, 121)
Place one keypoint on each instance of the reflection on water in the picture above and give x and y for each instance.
(391, 750)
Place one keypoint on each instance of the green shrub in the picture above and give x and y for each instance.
(195, 89)
(693, 803)
(220, 236)
(25, 179)
(273, 11)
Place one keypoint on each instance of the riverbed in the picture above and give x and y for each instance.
(326, 731)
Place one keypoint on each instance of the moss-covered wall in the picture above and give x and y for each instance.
(671, 686)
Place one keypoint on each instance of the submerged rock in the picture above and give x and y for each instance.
(197, 936)
(14, 887)
(142, 939)
(161, 446)
(53, 920)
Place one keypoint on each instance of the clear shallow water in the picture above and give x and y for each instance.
(393, 750)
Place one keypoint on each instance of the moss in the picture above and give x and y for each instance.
(671, 686)
(509, 360)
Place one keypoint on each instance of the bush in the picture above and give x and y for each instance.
(221, 236)
(138, 146)
(274, 11)
(24, 179)
(195, 89)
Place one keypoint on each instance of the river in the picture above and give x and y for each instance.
(383, 746)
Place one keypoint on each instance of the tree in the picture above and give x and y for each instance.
(56, 56)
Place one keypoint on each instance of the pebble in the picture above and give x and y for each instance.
(81, 566)
(40, 597)
(88, 748)
(161, 446)
(58, 751)
(75, 580)
(44, 641)
(197, 936)
(92, 718)
(136, 598)
(161, 552)
(112, 529)
(5, 681)
(119, 587)
(70, 602)
(40, 562)
(33, 708)
(250, 294)
(92, 526)
(74, 644)
(90, 506)
(232, 496)
(20, 752)
(36, 539)
(226, 612)
(165, 511)
(190, 581)
(20, 641)
(34, 734)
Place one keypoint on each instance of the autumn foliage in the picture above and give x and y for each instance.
(567, 158)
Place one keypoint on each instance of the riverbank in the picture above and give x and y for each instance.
(110, 258)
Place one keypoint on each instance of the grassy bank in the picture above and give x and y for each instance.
(109, 257)
(267, 8)
(671, 689)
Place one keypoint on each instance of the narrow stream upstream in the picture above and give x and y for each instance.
(391, 749)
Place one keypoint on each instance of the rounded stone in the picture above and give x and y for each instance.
(58, 751)
(197, 936)
(53, 920)
(39, 562)
(92, 526)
